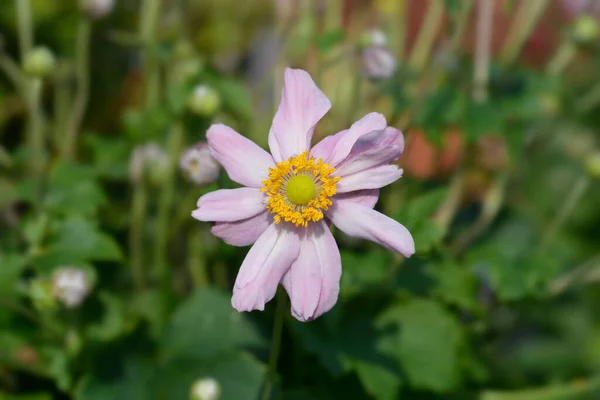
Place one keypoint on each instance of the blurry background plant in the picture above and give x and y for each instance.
(109, 290)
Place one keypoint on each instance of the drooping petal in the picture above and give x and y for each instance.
(313, 280)
(244, 232)
(359, 221)
(367, 198)
(372, 178)
(302, 105)
(245, 162)
(371, 150)
(263, 268)
(347, 139)
(230, 205)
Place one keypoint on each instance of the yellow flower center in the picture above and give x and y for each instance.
(299, 189)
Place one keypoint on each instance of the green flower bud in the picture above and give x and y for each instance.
(592, 165)
(206, 389)
(39, 62)
(204, 101)
(586, 29)
(96, 9)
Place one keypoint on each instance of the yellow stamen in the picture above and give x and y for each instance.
(299, 188)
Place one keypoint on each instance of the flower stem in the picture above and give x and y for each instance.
(528, 13)
(483, 49)
(165, 203)
(589, 100)
(136, 234)
(13, 73)
(275, 344)
(82, 65)
(579, 189)
(197, 262)
(460, 25)
(561, 58)
(25, 27)
(36, 136)
(149, 19)
(427, 34)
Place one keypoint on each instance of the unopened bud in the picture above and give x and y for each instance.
(70, 286)
(198, 165)
(374, 37)
(592, 165)
(96, 9)
(586, 29)
(378, 62)
(206, 389)
(148, 161)
(39, 62)
(204, 101)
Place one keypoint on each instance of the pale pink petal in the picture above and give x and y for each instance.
(230, 205)
(245, 162)
(244, 232)
(324, 148)
(367, 198)
(313, 280)
(371, 150)
(356, 220)
(263, 268)
(346, 140)
(302, 106)
(372, 178)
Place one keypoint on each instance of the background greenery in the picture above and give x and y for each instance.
(500, 192)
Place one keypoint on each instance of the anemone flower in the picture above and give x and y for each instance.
(292, 195)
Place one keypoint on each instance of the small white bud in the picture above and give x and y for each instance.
(70, 285)
(378, 62)
(96, 9)
(148, 161)
(198, 165)
(206, 389)
(39, 62)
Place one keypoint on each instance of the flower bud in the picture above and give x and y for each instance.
(70, 285)
(204, 101)
(586, 29)
(592, 165)
(96, 9)
(374, 37)
(39, 62)
(198, 165)
(206, 389)
(148, 161)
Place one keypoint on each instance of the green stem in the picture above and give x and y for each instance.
(579, 189)
(82, 71)
(36, 136)
(483, 49)
(148, 22)
(25, 27)
(427, 35)
(13, 73)
(275, 344)
(165, 203)
(62, 103)
(460, 25)
(561, 58)
(197, 263)
(589, 100)
(528, 13)
(136, 234)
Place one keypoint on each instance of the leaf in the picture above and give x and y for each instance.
(206, 325)
(362, 270)
(329, 39)
(455, 284)
(482, 118)
(378, 381)
(426, 345)
(36, 396)
(114, 322)
(235, 96)
(11, 266)
(77, 240)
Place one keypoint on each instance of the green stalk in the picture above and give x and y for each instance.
(275, 344)
(148, 22)
(25, 27)
(36, 136)
(197, 263)
(589, 100)
(427, 35)
(139, 207)
(82, 67)
(561, 58)
(165, 203)
(483, 50)
(460, 25)
(62, 103)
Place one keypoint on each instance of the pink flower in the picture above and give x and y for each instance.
(293, 194)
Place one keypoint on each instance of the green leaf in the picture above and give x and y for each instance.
(378, 381)
(426, 345)
(455, 284)
(113, 323)
(329, 39)
(482, 118)
(235, 96)
(37, 396)
(206, 325)
(77, 240)
(11, 266)
(363, 270)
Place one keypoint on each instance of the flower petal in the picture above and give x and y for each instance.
(244, 232)
(313, 280)
(302, 106)
(245, 162)
(371, 150)
(356, 220)
(264, 266)
(367, 124)
(372, 178)
(367, 198)
(325, 147)
(230, 205)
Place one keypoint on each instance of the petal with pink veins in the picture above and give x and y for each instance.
(230, 205)
(245, 162)
(372, 150)
(244, 232)
(313, 280)
(372, 178)
(367, 198)
(263, 268)
(356, 220)
(302, 105)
